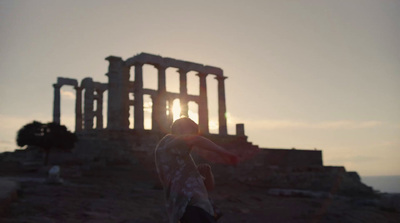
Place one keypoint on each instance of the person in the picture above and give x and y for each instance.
(184, 186)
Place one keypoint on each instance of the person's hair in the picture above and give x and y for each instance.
(184, 125)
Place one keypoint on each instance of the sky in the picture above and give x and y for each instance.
(304, 74)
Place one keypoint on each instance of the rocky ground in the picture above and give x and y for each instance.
(125, 194)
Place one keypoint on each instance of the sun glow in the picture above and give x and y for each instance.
(176, 110)
(192, 112)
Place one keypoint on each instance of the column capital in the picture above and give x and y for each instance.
(220, 78)
(115, 64)
(183, 71)
(113, 58)
(57, 86)
(137, 63)
(78, 88)
(201, 75)
(161, 66)
(100, 91)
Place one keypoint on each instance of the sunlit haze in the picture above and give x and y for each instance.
(305, 74)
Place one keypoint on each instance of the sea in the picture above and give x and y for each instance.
(384, 184)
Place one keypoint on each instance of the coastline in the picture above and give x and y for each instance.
(385, 184)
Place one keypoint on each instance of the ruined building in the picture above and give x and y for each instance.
(119, 87)
(120, 91)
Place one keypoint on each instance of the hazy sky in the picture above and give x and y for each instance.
(304, 74)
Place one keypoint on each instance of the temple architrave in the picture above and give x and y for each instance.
(119, 88)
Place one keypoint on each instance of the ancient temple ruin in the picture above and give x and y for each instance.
(119, 88)
(117, 139)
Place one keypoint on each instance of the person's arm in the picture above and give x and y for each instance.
(205, 148)
(205, 171)
(209, 150)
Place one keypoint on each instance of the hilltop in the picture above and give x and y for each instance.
(128, 192)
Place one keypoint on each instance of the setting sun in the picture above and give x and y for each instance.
(176, 109)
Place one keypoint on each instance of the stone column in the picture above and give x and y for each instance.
(240, 129)
(160, 102)
(222, 105)
(125, 97)
(203, 105)
(88, 106)
(99, 111)
(170, 117)
(56, 103)
(138, 95)
(78, 109)
(183, 92)
(154, 125)
(118, 94)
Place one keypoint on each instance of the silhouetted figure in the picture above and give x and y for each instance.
(185, 188)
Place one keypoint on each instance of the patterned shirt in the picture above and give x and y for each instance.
(183, 184)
